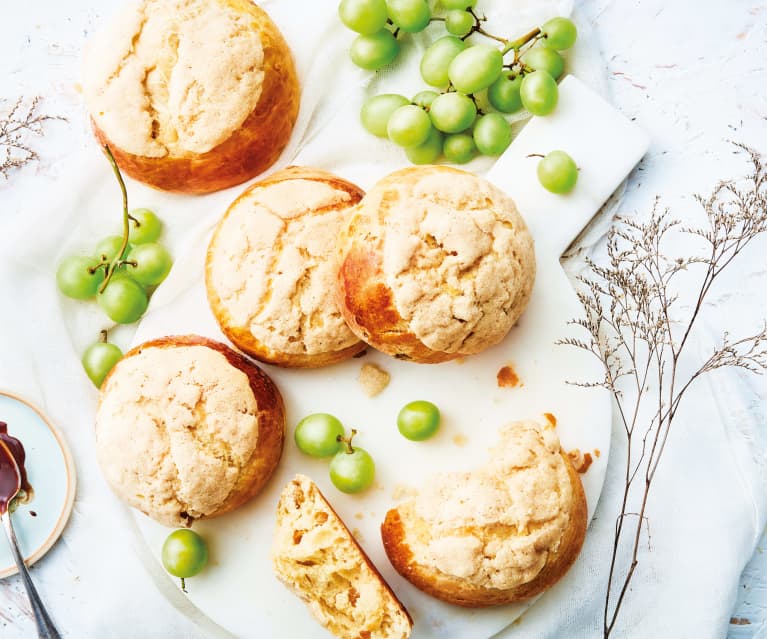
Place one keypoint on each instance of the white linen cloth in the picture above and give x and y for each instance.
(710, 502)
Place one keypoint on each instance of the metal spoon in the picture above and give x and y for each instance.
(45, 627)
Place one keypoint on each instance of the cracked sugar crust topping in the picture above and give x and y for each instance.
(457, 256)
(273, 263)
(173, 77)
(175, 428)
(496, 526)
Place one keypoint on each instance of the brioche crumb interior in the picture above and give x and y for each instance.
(317, 558)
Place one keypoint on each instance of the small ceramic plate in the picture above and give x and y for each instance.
(51, 473)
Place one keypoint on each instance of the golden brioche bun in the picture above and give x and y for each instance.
(186, 428)
(436, 264)
(495, 536)
(248, 142)
(271, 266)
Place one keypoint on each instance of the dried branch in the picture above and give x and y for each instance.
(637, 330)
(16, 126)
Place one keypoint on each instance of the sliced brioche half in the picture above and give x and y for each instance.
(317, 557)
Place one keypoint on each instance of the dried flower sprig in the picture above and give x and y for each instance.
(638, 329)
(21, 120)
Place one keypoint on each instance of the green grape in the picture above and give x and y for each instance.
(504, 94)
(99, 359)
(153, 264)
(409, 126)
(437, 58)
(124, 300)
(424, 98)
(377, 110)
(475, 68)
(110, 246)
(184, 554)
(411, 16)
(492, 134)
(374, 51)
(319, 435)
(149, 227)
(418, 420)
(557, 172)
(427, 152)
(539, 93)
(74, 278)
(459, 148)
(452, 112)
(458, 4)
(363, 16)
(352, 471)
(459, 23)
(560, 33)
(545, 59)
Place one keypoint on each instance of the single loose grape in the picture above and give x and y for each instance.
(539, 93)
(458, 4)
(427, 152)
(437, 58)
(99, 359)
(411, 16)
(475, 68)
(352, 469)
(545, 59)
(110, 246)
(557, 172)
(504, 94)
(459, 23)
(363, 16)
(459, 148)
(418, 420)
(319, 435)
(74, 278)
(492, 134)
(374, 51)
(124, 300)
(424, 98)
(560, 33)
(409, 126)
(148, 229)
(184, 554)
(153, 263)
(376, 111)
(452, 112)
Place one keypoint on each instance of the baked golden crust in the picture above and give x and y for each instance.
(250, 149)
(317, 557)
(401, 527)
(336, 342)
(436, 264)
(255, 471)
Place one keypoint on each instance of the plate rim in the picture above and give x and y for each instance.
(69, 501)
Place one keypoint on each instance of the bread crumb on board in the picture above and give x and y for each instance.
(373, 379)
(507, 377)
(581, 461)
(460, 439)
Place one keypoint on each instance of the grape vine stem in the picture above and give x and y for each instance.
(118, 260)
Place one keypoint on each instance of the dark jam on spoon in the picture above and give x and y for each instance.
(12, 471)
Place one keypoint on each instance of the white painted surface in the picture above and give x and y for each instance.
(691, 73)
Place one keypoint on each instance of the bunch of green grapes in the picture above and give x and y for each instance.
(120, 274)
(447, 120)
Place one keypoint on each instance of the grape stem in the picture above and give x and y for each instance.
(520, 42)
(534, 155)
(477, 28)
(347, 441)
(117, 261)
(183, 586)
(103, 336)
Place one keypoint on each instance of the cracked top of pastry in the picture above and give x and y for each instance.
(272, 265)
(174, 77)
(176, 428)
